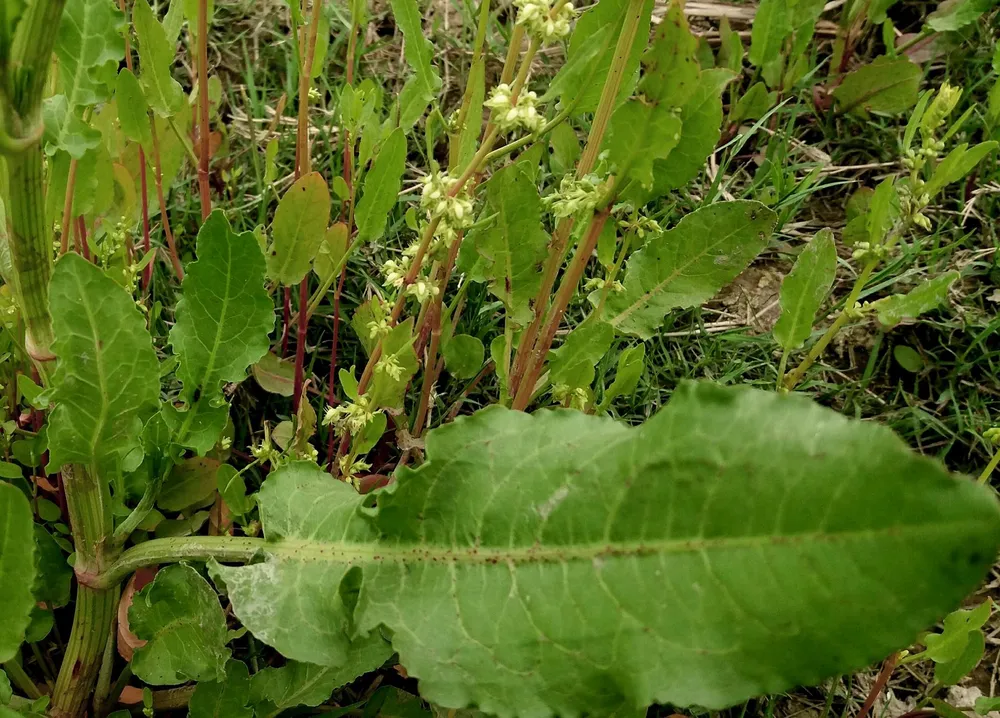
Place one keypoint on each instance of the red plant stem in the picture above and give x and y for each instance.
(879, 685)
(286, 317)
(147, 273)
(300, 342)
(332, 384)
(567, 288)
(302, 159)
(203, 128)
(67, 215)
(81, 238)
(158, 177)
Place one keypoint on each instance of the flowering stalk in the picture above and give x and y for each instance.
(203, 128)
(557, 247)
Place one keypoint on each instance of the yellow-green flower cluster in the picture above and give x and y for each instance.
(510, 114)
(574, 196)
(352, 416)
(436, 198)
(544, 22)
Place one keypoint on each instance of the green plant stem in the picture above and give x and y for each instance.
(234, 549)
(139, 513)
(560, 238)
(95, 610)
(22, 680)
(31, 250)
(795, 376)
(990, 467)
(89, 501)
(782, 364)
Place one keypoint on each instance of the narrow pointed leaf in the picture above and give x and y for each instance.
(156, 57)
(631, 364)
(670, 66)
(179, 617)
(225, 313)
(421, 89)
(381, 188)
(298, 229)
(17, 569)
(804, 289)
(132, 109)
(771, 25)
(564, 563)
(107, 374)
(922, 298)
(688, 264)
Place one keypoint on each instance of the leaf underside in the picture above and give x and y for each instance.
(738, 543)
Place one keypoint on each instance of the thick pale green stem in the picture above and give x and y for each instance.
(31, 249)
(235, 549)
(95, 609)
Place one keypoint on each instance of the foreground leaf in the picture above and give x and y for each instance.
(298, 229)
(564, 563)
(804, 289)
(180, 618)
(107, 375)
(225, 313)
(688, 264)
(17, 569)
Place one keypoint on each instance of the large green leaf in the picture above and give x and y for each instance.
(740, 542)
(274, 690)
(156, 57)
(225, 313)
(381, 188)
(17, 569)
(688, 264)
(512, 249)
(107, 374)
(423, 87)
(65, 129)
(887, 86)
(179, 617)
(298, 228)
(804, 289)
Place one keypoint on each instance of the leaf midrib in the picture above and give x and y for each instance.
(314, 551)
